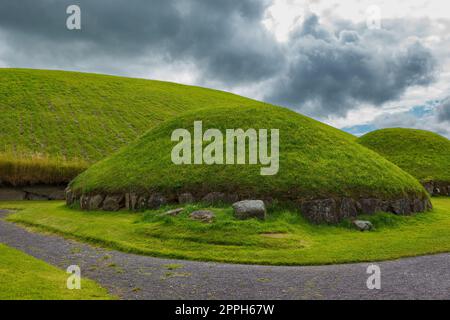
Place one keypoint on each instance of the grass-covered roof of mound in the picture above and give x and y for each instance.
(55, 123)
(424, 154)
(316, 161)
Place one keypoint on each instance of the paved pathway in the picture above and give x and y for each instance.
(140, 277)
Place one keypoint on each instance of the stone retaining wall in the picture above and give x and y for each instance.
(32, 193)
(333, 210)
(437, 188)
(330, 210)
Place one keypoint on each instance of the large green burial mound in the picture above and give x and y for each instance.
(321, 170)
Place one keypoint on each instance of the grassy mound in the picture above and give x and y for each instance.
(425, 155)
(55, 124)
(316, 161)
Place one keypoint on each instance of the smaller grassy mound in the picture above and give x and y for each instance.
(285, 238)
(316, 161)
(423, 154)
(23, 277)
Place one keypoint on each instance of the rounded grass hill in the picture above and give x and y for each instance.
(423, 154)
(54, 124)
(321, 169)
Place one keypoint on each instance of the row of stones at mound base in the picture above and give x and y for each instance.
(437, 188)
(329, 210)
(32, 193)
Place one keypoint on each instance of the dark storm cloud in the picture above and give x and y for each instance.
(444, 111)
(332, 72)
(318, 71)
(209, 33)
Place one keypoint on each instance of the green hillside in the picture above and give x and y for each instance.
(54, 124)
(423, 154)
(316, 161)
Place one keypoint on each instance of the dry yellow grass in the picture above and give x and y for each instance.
(20, 170)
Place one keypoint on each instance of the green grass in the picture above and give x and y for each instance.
(24, 277)
(52, 117)
(425, 155)
(316, 161)
(285, 238)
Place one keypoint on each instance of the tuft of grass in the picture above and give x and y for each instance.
(75, 251)
(26, 278)
(243, 241)
(173, 266)
(169, 274)
(423, 154)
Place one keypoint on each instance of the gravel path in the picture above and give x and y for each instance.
(139, 277)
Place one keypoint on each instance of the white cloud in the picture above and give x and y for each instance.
(355, 10)
(283, 16)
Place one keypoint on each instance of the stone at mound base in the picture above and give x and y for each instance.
(363, 225)
(186, 198)
(12, 194)
(219, 197)
(437, 188)
(113, 203)
(95, 202)
(45, 192)
(131, 201)
(248, 209)
(335, 210)
(32, 193)
(70, 197)
(156, 200)
(202, 215)
(371, 206)
(84, 202)
(36, 197)
(174, 212)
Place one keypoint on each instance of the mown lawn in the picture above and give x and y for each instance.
(24, 277)
(285, 238)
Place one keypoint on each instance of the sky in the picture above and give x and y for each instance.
(356, 65)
